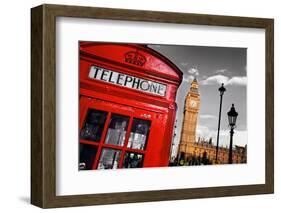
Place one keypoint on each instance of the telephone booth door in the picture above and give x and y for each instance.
(116, 136)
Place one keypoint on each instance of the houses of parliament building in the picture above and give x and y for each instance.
(192, 152)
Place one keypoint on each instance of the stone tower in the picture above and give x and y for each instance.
(191, 109)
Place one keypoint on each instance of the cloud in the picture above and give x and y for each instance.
(238, 81)
(207, 116)
(187, 78)
(193, 71)
(221, 71)
(184, 64)
(190, 74)
(240, 136)
(219, 79)
(202, 130)
(216, 79)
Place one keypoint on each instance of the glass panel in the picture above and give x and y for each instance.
(87, 156)
(133, 160)
(93, 125)
(139, 134)
(234, 120)
(117, 130)
(109, 159)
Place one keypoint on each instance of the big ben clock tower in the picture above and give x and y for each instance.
(191, 109)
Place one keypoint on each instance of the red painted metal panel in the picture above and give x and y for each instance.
(141, 62)
(154, 62)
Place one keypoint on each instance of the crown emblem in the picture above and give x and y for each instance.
(133, 57)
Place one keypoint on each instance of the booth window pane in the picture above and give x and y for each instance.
(133, 160)
(117, 130)
(93, 125)
(87, 156)
(139, 134)
(109, 159)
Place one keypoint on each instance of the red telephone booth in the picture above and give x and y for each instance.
(127, 106)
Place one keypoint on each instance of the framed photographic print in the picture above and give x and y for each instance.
(137, 106)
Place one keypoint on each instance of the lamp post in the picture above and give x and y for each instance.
(232, 116)
(221, 90)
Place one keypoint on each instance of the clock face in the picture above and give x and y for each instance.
(193, 103)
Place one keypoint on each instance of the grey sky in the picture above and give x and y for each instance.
(212, 66)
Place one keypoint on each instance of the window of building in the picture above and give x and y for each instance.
(86, 156)
(133, 160)
(109, 159)
(110, 141)
(117, 130)
(139, 134)
(93, 125)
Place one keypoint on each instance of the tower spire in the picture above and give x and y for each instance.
(194, 86)
(195, 79)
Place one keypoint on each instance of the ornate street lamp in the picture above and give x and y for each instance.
(221, 90)
(232, 116)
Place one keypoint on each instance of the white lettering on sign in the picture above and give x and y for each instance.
(129, 81)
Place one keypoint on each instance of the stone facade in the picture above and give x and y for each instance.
(206, 148)
(191, 109)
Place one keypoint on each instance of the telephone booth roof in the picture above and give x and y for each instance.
(149, 61)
